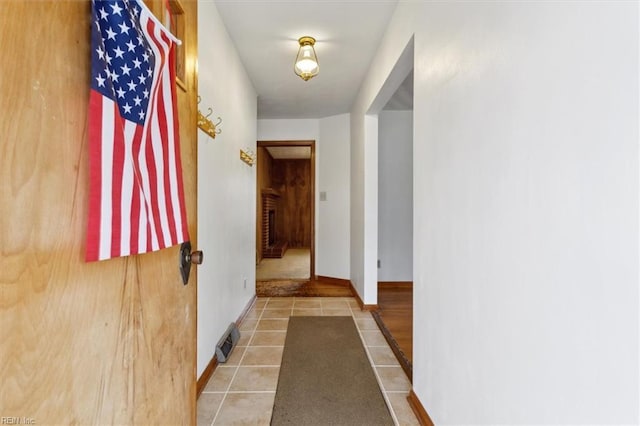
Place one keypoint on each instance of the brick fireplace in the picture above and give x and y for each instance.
(271, 246)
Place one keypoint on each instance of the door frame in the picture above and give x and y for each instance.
(312, 159)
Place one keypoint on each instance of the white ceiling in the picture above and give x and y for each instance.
(266, 34)
(289, 152)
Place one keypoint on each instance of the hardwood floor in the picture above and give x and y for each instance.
(395, 318)
(320, 287)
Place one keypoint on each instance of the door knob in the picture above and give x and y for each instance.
(187, 258)
(195, 257)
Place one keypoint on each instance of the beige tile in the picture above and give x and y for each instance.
(366, 324)
(307, 312)
(335, 304)
(255, 379)
(335, 299)
(261, 302)
(273, 324)
(246, 409)
(307, 303)
(336, 312)
(245, 337)
(276, 313)
(260, 355)
(354, 303)
(235, 357)
(208, 404)
(253, 314)
(280, 303)
(281, 298)
(327, 299)
(220, 380)
(373, 338)
(393, 379)
(268, 338)
(248, 325)
(358, 313)
(402, 409)
(383, 355)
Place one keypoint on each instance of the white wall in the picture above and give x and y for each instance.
(525, 208)
(332, 176)
(332, 231)
(226, 185)
(395, 195)
(364, 216)
(285, 130)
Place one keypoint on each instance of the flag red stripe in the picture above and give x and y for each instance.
(135, 196)
(162, 120)
(178, 156)
(149, 236)
(155, 120)
(173, 135)
(95, 176)
(116, 177)
(152, 196)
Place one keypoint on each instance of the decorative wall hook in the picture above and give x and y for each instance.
(248, 156)
(206, 125)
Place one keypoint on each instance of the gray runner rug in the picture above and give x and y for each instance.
(326, 378)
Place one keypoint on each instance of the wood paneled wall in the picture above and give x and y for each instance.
(110, 342)
(292, 179)
(263, 179)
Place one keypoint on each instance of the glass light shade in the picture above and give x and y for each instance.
(306, 65)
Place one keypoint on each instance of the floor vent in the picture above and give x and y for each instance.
(227, 343)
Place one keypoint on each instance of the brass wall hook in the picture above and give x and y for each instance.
(206, 125)
(248, 156)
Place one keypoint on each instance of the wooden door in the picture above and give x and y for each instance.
(110, 342)
(292, 179)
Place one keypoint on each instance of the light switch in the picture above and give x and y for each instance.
(323, 195)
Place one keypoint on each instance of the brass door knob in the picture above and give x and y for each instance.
(187, 258)
(196, 257)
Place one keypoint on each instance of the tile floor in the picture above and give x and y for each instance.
(242, 391)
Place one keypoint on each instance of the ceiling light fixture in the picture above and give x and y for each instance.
(306, 65)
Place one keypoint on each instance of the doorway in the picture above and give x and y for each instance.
(395, 222)
(389, 261)
(285, 210)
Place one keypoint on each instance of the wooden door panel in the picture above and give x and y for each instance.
(292, 179)
(89, 343)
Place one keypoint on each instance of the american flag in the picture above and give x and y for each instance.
(136, 195)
